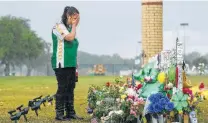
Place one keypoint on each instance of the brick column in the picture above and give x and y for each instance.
(152, 28)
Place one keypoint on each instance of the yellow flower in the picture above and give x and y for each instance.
(172, 114)
(195, 99)
(121, 89)
(190, 102)
(123, 96)
(180, 112)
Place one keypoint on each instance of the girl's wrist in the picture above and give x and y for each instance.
(73, 25)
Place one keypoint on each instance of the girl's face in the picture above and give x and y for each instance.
(71, 18)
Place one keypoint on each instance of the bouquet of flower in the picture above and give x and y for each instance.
(160, 104)
(115, 102)
(123, 102)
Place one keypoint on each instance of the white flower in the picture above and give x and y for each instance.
(120, 112)
(135, 103)
(131, 92)
(118, 100)
(106, 118)
(122, 100)
(98, 103)
(170, 85)
(141, 99)
(139, 91)
(110, 113)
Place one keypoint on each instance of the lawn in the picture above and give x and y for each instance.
(15, 91)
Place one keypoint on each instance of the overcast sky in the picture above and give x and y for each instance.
(115, 27)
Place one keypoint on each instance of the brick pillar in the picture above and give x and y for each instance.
(152, 28)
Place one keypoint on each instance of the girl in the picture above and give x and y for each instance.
(64, 61)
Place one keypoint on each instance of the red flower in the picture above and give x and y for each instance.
(168, 95)
(201, 86)
(166, 88)
(187, 91)
(131, 97)
(139, 86)
(108, 84)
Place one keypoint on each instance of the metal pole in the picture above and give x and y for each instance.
(184, 25)
(184, 42)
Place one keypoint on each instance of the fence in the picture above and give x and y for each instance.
(87, 69)
(83, 69)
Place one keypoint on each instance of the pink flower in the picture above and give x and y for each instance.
(132, 112)
(140, 101)
(130, 100)
(136, 99)
(131, 97)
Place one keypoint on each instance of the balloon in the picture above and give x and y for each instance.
(146, 70)
(137, 76)
(148, 67)
(150, 88)
(153, 71)
(180, 100)
(142, 79)
(161, 77)
(153, 78)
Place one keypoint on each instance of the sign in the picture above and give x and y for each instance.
(179, 61)
(165, 60)
(179, 52)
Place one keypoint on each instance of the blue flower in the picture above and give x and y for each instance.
(151, 108)
(159, 95)
(154, 98)
(157, 108)
(167, 99)
(169, 106)
(163, 101)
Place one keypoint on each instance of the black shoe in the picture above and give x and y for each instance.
(66, 118)
(59, 108)
(62, 119)
(76, 117)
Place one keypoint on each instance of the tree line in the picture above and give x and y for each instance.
(21, 46)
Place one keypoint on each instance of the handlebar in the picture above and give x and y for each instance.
(19, 108)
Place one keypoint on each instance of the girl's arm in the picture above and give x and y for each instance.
(62, 32)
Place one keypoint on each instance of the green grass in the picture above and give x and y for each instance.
(15, 91)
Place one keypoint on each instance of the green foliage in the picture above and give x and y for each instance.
(200, 59)
(18, 43)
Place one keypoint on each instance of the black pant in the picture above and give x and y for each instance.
(66, 78)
